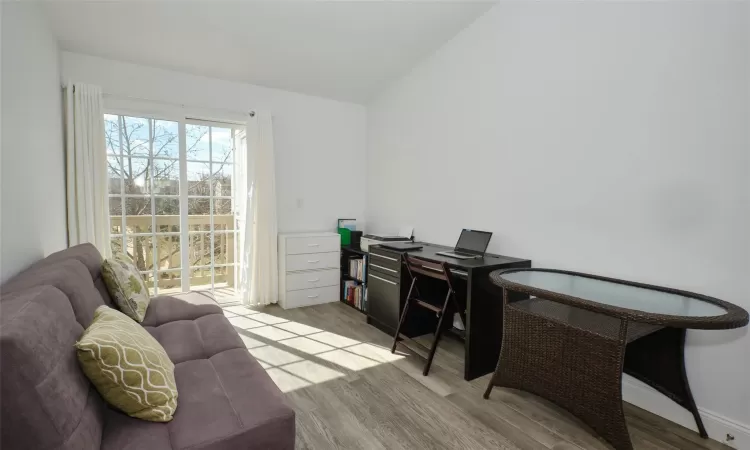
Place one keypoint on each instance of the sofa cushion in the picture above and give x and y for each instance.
(227, 401)
(71, 277)
(126, 286)
(187, 306)
(186, 340)
(47, 400)
(90, 257)
(123, 432)
(129, 368)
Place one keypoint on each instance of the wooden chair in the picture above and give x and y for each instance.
(417, 267)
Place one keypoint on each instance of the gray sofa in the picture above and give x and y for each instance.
(226, 399)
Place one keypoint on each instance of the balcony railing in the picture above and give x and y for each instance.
(163, 249)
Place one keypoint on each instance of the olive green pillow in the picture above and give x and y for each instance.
(128, 367)
(126, 286)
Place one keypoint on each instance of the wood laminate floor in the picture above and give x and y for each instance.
(350, 392)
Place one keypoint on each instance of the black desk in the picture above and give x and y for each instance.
(388, 286)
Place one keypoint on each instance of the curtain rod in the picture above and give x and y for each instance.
(251, 113)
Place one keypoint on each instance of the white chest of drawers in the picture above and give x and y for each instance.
(309, 269)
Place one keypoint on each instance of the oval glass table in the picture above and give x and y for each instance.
(568, 337)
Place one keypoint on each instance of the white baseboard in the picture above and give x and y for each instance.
(717, 426)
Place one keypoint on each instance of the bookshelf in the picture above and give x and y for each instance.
(353, 289)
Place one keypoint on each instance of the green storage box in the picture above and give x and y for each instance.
(346, 236)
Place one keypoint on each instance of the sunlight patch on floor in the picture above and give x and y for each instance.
(333, 339)
(240, 310)
(245, 323)
(272, 333)
(313, 372)
(265, 366)
(298, 328)
(285, 380)
(376, 352)
(274, 356)
(307, 345)
(348, 360)
(268, 319)
(250, 342)
(299, 355)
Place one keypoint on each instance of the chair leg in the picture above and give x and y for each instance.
(403, 316)
(490, 385)
(438, 333)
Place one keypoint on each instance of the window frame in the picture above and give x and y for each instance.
(182, 161)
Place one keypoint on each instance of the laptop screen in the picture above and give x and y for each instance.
(473, 241)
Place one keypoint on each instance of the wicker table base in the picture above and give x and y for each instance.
(575, 358)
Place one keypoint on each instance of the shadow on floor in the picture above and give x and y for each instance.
(349, 391)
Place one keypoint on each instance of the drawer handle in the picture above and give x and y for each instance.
(313, 281)
(382, 279)
(313, 261)
(384, 268)
(384, 257)
(313, 296)
(313, 245)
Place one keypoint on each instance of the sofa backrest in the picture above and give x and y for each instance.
(90, 257)
(68, 275)
(47, 400)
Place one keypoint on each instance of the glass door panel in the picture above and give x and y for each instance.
(181, 237)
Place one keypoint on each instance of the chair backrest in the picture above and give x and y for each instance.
(431, 269)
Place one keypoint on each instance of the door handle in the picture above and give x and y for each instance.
(313, 296)
(381, 267)
(384, 257)
(382, 279)
(313, 281)
(313, 245)
(312, 261)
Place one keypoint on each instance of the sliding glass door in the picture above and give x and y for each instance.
(170, 194)
(211, 221)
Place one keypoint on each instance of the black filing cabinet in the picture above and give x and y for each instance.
(387, 287)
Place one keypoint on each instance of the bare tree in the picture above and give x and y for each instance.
(140, 170)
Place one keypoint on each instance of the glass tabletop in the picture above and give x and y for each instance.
(616, 294)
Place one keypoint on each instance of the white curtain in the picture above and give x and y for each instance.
(256, 201)
(86, 167)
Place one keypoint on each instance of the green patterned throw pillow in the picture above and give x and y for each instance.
(126, 286)
(128, 367)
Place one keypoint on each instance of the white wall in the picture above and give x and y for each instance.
(32, 160)
(606, 137)
(320, 143)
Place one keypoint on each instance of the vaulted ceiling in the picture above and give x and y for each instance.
(345, 50)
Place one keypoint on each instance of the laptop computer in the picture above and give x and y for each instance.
(471, 244)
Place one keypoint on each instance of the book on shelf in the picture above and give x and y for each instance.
(357, 269)
(354, 294)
